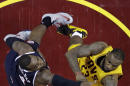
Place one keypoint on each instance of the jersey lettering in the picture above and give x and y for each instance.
(90, 69)
(93, 70)
(87, 72)
(11, 80)
(22, 79)
(90, 64)
(95, 77)
(24, 75)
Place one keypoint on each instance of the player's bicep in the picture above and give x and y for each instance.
(110, 80)
(21, 47)
(97, 47)
(83, 51)
(92, 49)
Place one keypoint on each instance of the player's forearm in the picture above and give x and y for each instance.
(37, 33)
(72, 59)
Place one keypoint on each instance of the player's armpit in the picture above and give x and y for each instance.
(21, 47)
(111, 80)
(41, 54)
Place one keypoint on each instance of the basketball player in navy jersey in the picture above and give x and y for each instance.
(25, 65)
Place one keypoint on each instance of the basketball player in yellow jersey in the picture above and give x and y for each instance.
(96, 61)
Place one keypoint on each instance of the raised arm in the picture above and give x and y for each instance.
(19, 45)
(37, 33)
(72, 59)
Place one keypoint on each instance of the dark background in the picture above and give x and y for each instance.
(27, 14)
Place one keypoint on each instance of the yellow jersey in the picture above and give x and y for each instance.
(92, 71)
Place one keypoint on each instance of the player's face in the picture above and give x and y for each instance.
(111, 62)
(36, 62)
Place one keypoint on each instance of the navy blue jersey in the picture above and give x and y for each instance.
(15, 74)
